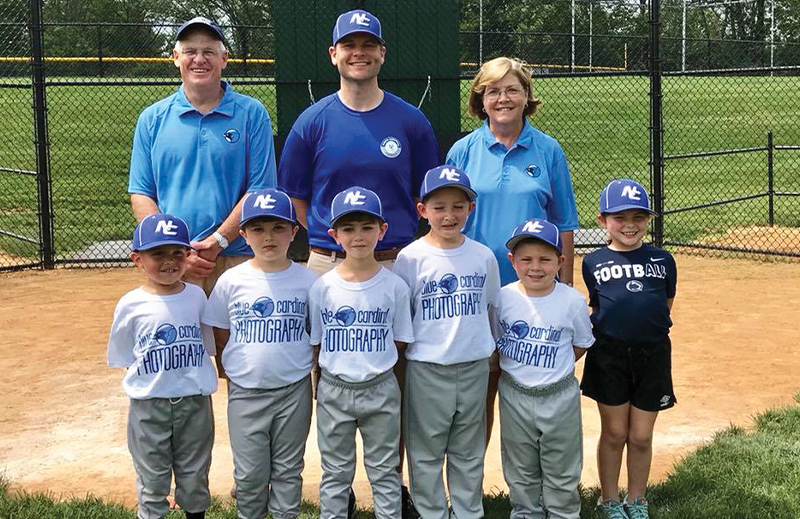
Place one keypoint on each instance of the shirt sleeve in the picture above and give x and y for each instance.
(562, 211)
(216, 311)
(402, 267)
(494, 320)
(589, 281)
(672, 277)
(402, 327)
(141, 180)
(493, 282)
(295, 170)
(582, 325)
(261, 170)
(426, 153)
(120, 340)
(208, 340)
(315, 336)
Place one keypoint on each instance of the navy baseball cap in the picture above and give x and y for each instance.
(199, 20)
(267, 202)
(446, 176)
(160, 229)
(623, 194)
(356, 199)
(357, 20)
(537, 228)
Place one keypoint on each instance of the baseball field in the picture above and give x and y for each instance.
(736, 353)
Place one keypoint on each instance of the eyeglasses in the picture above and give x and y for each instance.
(493, 94)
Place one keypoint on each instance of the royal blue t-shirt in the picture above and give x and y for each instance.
(387, 149)
(628, 292)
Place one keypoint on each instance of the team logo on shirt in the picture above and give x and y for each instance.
(634, 286)
(604, 272)
(391, 147)
(533, 171)
(452, 296)
(165, 334)
(448, 283)
(268, 321)
(528, 344)
(520, 329)
(350, 330)
(232, 135)
(263, 307)
(345, 316)
(169, 347)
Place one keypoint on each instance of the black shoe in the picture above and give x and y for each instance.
(351, 505)
(196, 515)
(407, 505)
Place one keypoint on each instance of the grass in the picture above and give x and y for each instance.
(740, 474)
(602, 123)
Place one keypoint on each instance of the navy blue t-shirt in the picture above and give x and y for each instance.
(628, 292)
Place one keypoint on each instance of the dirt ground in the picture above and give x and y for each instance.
(736, 347)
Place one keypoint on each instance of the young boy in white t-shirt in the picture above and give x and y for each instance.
(543, 328)
(259, 311)
(453, 280)
(157, 336)
(360, 318)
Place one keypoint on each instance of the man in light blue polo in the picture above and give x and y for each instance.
(197, 153)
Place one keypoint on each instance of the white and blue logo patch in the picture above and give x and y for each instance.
(520, 329)
(263, 307)
(165, 335)
(533, 171)
(448, 284)
(345, 316)
(232, 135)
(391, 147)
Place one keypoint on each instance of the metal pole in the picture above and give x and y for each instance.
(771, 36)
(590, 35)
(572, 47)
(46, 252)
(656, 129)
(771, 178)
(480, 33)
(100, 50)
(683, 39)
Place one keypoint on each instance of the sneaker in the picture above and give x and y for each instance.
(637, 509)
(611, 509)
(407, 505)
(351, 505)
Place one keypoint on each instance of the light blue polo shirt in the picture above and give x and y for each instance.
(198, 166)
(531, 180)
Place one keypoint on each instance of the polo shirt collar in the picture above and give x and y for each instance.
(524, 140)
(225, 106)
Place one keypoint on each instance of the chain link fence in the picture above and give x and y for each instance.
(723, 159)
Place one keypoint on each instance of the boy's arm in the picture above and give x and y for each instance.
(221, 336)
(579, 352)
(669, 303)
(315, 370)
(400, 366)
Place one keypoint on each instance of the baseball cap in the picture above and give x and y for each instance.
(356, 199)
(267, 202)
(446, 176)
(536, 228)
(160, 229)
(200, 20)
(623, 194)
(357, 20)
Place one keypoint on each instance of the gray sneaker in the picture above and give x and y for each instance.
(611, 509)
(637, 509)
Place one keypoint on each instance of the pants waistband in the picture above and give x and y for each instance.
(380, 255)
(555, 387)
(333, 380)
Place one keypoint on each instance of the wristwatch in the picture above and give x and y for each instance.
(221, 240)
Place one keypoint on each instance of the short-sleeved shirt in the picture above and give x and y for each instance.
(387, 149)
(160, 340)
(356, 323)
(198, 166)
(451, 292)
(267, 315)
(538, 333)
(531, 180)
(628, 292)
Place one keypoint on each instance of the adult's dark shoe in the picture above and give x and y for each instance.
(407, 505)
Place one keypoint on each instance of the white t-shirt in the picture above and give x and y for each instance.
(356, 324)
(451, 290)
(537, 333)
(161, 342)
(267, 315)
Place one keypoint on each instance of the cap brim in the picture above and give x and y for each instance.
(241, 224)
(339, 216)
(209, 28)
(155, 244)
(510, 244)
(625, 207)
(383, 42)
(470, 193)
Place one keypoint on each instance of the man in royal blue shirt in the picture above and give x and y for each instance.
(360, 135)
(197, 153)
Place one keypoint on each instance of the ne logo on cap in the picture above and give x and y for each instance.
(632, 192)
(534, 227)
(166, 227)
(360, 19)
(265, 202)
(354, 198)
(450, 174)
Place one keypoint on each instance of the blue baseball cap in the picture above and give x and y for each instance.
(200, 20)
(267, 202)
(537, 228)
(623, 194)
(356, 199)
(160, 229)
(357, 20)
(446, 176)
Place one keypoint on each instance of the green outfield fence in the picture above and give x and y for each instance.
(700, 102)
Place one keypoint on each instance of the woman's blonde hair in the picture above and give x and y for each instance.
(493, 71)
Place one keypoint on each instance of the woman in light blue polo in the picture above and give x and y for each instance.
(518, 172)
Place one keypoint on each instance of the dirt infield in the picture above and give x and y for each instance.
(62, 428)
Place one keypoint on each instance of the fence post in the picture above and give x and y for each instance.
(46, 253)
(771, 178)
(656, 130)
(100, 49)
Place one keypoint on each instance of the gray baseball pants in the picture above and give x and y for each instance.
(372, 407)
(541, 448)
(445, 415)
(167, 436)
(268, 430)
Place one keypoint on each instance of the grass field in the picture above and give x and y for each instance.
(602, 123)
(740, 474)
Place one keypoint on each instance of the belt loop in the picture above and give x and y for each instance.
(332, 257)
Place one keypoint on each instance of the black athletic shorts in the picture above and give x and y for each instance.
(617, 372)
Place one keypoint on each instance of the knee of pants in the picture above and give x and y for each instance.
(157, 487)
